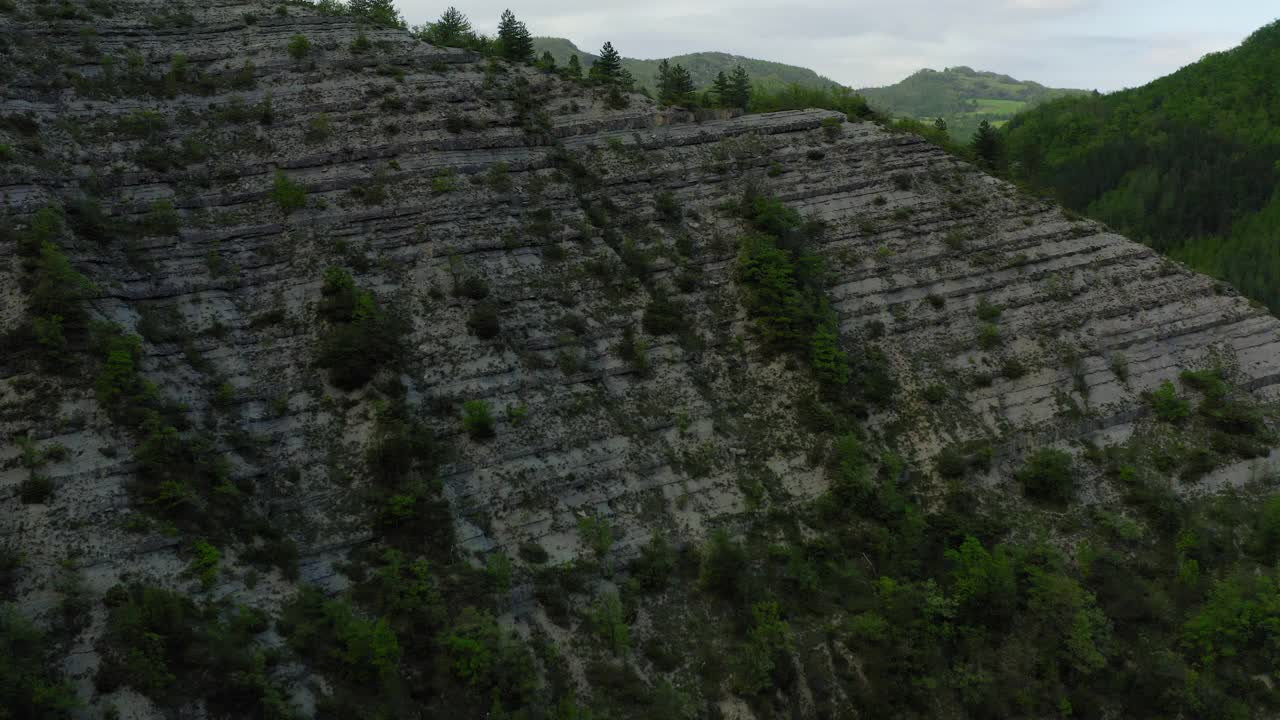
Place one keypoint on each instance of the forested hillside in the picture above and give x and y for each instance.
(1188, 163)
(702, 66)
(962, 96)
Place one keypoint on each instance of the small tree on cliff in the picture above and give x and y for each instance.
(676, 88)
(514, 39)
(453, 29)
(987, 147)
(720, 88)
(608, 69)
(739, 88)
(377, 12)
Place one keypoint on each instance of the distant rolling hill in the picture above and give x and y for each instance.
(962, 96)
(703, 66)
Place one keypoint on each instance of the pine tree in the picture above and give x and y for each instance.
(680, 87)
(615, 99)
(547, 63)
(940, 125)
(739, 88)
(575, 67)
(988, 147)
(514, 39)
(608, 69)
(377, 12)
(625, 80)
(721, 89)
(664, 82)
(453, 29)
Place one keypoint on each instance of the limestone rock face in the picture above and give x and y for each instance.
(449, 185)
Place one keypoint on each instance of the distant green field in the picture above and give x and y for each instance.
(1001, 107)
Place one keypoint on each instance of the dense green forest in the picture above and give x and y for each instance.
(961, 96)
(1188, 163)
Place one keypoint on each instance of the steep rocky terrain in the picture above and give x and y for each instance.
(570, 264)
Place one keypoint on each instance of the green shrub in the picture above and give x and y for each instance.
(319, 128)
(1012, 368)
(484, 321)
(653, 567)
(597, 534)
(331, 634)
(36, 489)
(960, 459)
(664, 316)
(471, 286)
(163, 218)
(668, 207)
(118, 383)
(477, 419)
(517, 414)
(989, 337)
(724, 566)
(400, 446)
(498, 177)
(205, 564)
(533, 553)
(58, 290)
(362, 337)
(829, 362)
(935, 394)
(635, 351)
(299, 47)
(1049, 476)
(783, 308)
(163, 645)
(444, 182)
(769, 643)
(1268, 531)
(609, 624)
(1119, 364)
(361, 44)
(987, 312)
(1167, 404)
(28, 686)
(287, 194)
(485, 659)
(11, 564)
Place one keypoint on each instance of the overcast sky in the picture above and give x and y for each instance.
(1091, 44)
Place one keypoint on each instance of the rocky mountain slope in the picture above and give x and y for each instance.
(339, 254)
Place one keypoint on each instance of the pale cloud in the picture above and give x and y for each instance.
(1103, 44)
